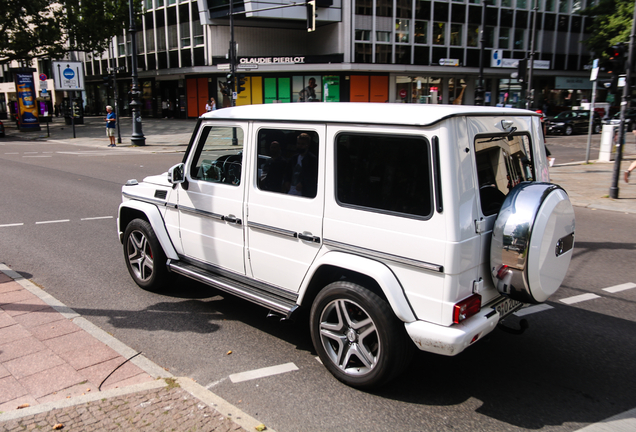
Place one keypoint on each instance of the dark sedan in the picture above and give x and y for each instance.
(630, 119)
(571, 122)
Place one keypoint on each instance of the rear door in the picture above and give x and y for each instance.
(285, 202)
(211, 208)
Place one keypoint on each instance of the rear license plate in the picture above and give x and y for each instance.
(506, 307)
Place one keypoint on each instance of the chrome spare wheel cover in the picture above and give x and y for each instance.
(533, 236)
(140, 255)
(349, 336)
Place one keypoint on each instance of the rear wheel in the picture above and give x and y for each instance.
(357, 336)
(145, 259)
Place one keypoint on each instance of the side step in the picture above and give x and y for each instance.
(282, 304)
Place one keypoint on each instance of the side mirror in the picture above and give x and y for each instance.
(176, 174)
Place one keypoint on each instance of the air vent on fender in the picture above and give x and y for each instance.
(161, 194)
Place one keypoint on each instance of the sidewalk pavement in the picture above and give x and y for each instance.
(60, 372)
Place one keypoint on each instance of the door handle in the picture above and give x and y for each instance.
(308, 237)
(232, 219)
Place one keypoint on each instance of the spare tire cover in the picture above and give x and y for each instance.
(533, 236)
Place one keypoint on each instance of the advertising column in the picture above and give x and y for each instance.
(27, 108)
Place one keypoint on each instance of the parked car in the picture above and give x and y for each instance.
(630, 119)
(1, 129)
(575, 121)
(395, 226)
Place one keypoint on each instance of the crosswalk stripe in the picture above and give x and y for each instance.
(579, 298)
(621, 287)
(264, 372)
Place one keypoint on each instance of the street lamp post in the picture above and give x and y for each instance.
(137, 137)
(530, 92)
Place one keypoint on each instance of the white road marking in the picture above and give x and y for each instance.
(96, 218)
(618, 288)
(212, 384)
(579, 298)
(624, 422)
(54, 221)
(264, 372)
(533, 309)
(38, 156)
(11, 225)
(30, 152)
(13, 153)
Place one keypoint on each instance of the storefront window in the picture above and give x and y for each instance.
(456, 34)
(425, 90)
(456, 88)
(439, 30)
(510, 94)
(421, 31)
(402, 28)
(307, 88)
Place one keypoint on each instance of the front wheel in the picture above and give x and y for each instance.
(568, 130)
(145, 259)
(597, 128)
(357, 336)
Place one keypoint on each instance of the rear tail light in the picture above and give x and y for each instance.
(466, 308)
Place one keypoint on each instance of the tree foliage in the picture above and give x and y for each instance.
(612, 24)
(48, 28)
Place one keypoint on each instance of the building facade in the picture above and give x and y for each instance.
(398, 51)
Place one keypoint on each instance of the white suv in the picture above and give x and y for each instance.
(393, 225)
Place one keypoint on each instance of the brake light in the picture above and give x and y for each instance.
(466, 308)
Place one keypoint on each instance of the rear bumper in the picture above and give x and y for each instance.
(452, 340)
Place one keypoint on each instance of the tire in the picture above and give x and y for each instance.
(597, 128)
(357, 336)
(568, 130)
(145, 258)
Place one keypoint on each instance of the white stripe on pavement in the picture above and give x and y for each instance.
(10, 225)
(618, 288)
(264, 372)
(579, 298)
(624, 422)
(96, 218)
(532, 309)
(53, 221)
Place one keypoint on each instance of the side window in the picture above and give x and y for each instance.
(213, 162)
(288, 162)
(387, 173)
(503, 161)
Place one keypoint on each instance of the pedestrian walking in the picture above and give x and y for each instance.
(111, 123)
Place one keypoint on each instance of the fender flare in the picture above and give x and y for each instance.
(156, 221)
(376, 270)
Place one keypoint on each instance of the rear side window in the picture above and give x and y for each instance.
(386, 173)
(503, 161)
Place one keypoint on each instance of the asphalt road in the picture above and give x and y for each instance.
(572, 367)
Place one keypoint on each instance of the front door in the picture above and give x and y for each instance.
(211, 208)
(285, 203)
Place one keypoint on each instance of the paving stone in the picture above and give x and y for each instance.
(7, 284)
(24, 344)
(51, 380)
(54, 329)
(69, 342)
(99, 372)
(10, 389)
(33, 363)
(6, 320)
(39, 317)
(89, 355)
(24, 307)
(9, 297)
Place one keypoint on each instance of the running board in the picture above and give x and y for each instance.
(267, 299)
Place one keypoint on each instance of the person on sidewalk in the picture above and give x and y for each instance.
(111, 122)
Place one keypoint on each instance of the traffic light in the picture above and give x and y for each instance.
(311, 15)
(240, 82)
(229, 85)
(522, 70)
(617, 60)
(108, 80)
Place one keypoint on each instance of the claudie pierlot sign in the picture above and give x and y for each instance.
(272, 60)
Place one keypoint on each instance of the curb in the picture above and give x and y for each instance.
(160, 374)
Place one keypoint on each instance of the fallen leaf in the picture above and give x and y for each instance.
(229, 352)
(260, 427)
(24, 405)
(88, 389)
(58, 426)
